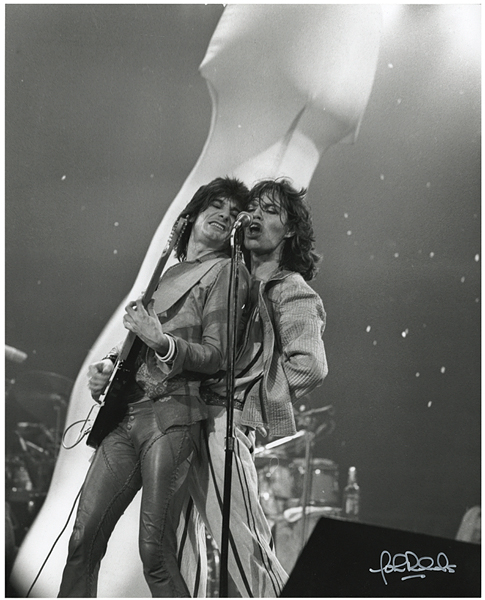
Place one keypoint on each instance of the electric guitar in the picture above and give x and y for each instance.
(112, 407)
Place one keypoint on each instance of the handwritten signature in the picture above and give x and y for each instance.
(409, 562)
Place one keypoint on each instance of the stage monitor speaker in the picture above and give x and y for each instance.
(345, 559)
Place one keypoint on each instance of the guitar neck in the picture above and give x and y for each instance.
(155, 278)
(132, 344)
(130, 349)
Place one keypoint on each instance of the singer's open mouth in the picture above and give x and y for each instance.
(255, 228)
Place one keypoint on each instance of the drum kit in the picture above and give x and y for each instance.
(35, 412)
(295, 487)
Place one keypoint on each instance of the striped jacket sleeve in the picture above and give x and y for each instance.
(299, 325)
(209, 354)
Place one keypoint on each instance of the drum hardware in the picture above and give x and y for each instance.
(9, 384)
(29, 466)
(296, 488)
(292, 515)
(36, 438)
(24, 507)
(44, 395)
(276, 483)
(213, 567)
(50, 409)
(308, 421)
(28, 475)
(264, 458)
(293, 444)
(36, 404)
(317, 411)
(30, 445)
(277, 445)
(298, 483)
(307, 482)
(18, 477)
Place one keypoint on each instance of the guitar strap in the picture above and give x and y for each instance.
(178, 280)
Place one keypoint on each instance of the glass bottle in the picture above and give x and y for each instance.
(351, 496)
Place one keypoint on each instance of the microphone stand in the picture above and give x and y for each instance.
(307, 484)
(230, 438)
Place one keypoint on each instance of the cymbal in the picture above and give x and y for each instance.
(44, 395)
(45, 382)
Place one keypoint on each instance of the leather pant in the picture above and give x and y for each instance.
(136, 454)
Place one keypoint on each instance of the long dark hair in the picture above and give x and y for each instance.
(220, 188)
(298, 252)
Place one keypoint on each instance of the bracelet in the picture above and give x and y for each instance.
(170, 352)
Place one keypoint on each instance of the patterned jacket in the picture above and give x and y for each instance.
(294, 359)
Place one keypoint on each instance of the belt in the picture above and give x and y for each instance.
(213, 399)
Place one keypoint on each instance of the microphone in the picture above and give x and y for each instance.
(244, 219)
(15, 355)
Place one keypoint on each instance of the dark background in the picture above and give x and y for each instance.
(106, 115)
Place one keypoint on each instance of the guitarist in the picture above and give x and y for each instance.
(184, 335)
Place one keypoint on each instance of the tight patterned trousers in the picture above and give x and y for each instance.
(136, 455)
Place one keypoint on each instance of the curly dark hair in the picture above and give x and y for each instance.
(220, 188)
(298, 252)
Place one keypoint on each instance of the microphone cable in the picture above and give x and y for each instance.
(55, 543)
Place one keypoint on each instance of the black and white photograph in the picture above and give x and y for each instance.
(242, 300)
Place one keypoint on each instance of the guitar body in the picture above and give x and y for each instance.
(113, 408)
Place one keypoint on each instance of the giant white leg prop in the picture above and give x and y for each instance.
(287, 82)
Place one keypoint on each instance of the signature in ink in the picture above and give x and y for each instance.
(410, 563)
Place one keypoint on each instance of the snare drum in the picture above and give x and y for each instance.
(324, 489)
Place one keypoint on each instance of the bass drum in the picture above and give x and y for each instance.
(324, 489)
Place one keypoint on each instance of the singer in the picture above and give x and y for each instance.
(282, 359)
(159, 437)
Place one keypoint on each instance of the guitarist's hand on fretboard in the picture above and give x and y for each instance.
(145, 323)
(99, 374)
